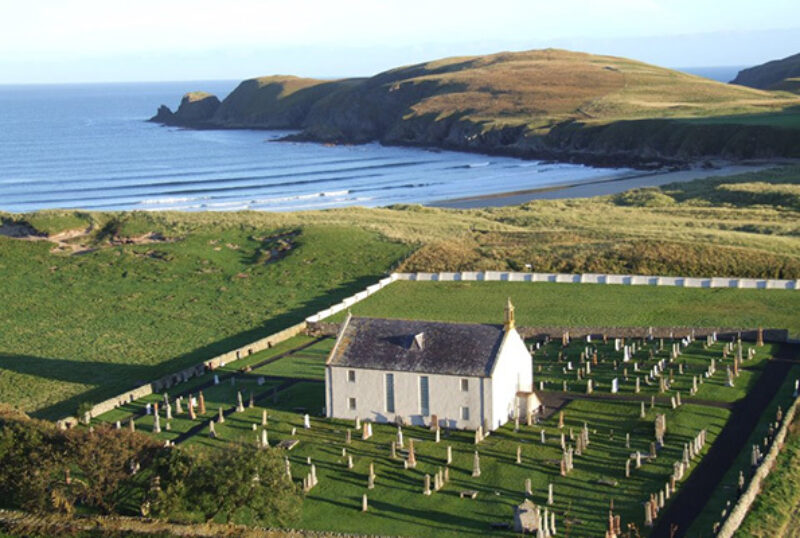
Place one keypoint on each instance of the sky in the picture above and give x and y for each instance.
(58, 41)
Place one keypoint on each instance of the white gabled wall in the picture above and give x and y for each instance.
(513, 371)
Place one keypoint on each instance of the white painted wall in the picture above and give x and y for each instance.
(513, 372)
(369, 389)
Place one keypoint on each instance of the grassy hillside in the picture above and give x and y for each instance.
(146, 293)
(774, 75)
(543, 87)
(553, 104)
(276, 102)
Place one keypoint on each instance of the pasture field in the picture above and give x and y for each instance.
(82, 328)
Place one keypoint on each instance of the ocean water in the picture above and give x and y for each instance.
(89, 147)
(720, 73)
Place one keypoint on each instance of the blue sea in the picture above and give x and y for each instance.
(89, 147)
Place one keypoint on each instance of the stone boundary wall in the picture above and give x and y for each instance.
(57, 524)
(328, 328)
(739, 511)
(353, 299)
(596, 278)
(173, 379)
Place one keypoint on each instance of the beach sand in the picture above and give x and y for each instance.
(598, 187)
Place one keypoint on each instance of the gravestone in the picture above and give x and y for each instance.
(412, 457)
(156, 420)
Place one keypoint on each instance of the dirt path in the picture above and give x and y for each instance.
(701, 484)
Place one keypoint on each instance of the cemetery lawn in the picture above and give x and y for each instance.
(397, 505)
(585, 305)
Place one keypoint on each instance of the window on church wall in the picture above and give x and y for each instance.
(465, 385)
(465, 413)
(390, 393)
(424, 396)
(351, 403)
(351, 376)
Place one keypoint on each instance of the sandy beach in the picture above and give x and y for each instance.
(587, 189)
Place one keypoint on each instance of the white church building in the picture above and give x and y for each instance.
(460, 375)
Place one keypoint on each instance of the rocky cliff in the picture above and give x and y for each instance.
(195, 110)
(541, 104)
(775, 75)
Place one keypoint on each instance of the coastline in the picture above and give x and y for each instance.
(600, 187)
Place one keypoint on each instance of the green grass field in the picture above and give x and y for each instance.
(397, 505)
(585, 305)
(83, 328)
(789, 119)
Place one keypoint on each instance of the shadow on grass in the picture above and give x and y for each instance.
(112, 378)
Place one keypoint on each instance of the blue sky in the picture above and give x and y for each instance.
(92, 40)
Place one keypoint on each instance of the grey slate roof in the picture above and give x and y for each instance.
(388, 344)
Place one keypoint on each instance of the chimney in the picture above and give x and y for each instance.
(419, 341)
